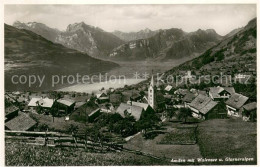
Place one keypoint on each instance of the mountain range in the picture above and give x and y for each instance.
(131, 36)
(142, 45)
(79, 36)
(28, 53)
(167, 44)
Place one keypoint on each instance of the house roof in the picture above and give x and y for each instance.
(208, 107)
(22, 122)
(143, 105)
(168, 88)
(99, 95)
(236, 100)
(93, 112)
(203, 103)
(182, 91)
(134, 111)
(230, 90)
(135, 95)
(203, 92)
(79, 104)
(66, 102)
(115, 98)
(188, 97)
(46, 102)
(215, 91)
(11, 109)
(250, 106)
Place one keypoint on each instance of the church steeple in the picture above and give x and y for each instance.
(151, 93)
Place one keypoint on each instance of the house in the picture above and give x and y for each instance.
(203, 92)
(247, 111)
(106, 107)
(145, 106)
(201, 106)
(45, 103)
(102, 97)
(135, 96)
(22, 122)
(82, 110)
(93, 115)
(188, 98)
(131, 110)
(79, 105)
(11, 112)
(234, 104)
(66, 104)
(218, 93)
(181, 92)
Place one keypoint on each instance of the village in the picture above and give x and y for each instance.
(166, 114)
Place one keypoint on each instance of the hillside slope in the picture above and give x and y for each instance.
(232, 56)
(30, 54)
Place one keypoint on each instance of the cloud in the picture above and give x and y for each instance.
(222, 18)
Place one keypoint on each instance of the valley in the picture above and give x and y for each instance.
(86, 96)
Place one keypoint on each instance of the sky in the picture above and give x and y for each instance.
(128, 18)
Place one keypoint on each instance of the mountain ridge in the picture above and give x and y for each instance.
(28, 53)
(79, 36)
(167, 44)
(234, 55)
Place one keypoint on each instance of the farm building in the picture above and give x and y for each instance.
(188, 98)
(248, 111)
(66, 105)
(93, 115)
(44, 103)
(218, 93)
(22, 122)
(234, 104)
(131, 110)
(115, 99)
(79, 105)
(201, 106)
(102, 97)
(135, 96)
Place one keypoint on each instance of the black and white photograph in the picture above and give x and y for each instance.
(127, 84)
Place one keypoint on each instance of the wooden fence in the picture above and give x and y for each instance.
(55, 139)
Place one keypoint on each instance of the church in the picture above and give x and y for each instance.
(155, 98)
(151, 93)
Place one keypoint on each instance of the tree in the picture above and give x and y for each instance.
(184, 113)
(148, 120)
(38, 108)
(171, 113)
(142, 93)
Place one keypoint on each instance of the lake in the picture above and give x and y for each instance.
(129, 71)
(95, 87)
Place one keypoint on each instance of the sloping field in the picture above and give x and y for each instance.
(223, 138)
(17, 154)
